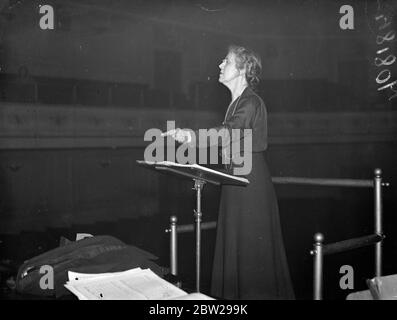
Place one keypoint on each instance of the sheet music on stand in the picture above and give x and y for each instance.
(196, 171)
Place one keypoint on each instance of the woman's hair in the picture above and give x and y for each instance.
(250, 60)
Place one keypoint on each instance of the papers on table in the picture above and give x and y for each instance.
(134, 284)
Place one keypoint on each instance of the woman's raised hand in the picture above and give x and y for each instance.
(178, 134)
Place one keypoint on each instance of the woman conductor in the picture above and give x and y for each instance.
(250, 260)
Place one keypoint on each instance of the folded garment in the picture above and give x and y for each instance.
(45, 274)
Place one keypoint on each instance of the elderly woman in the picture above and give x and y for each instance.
(249, 260)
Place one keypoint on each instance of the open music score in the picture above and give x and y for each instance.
(197, 171)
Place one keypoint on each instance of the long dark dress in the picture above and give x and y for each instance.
(250, 260)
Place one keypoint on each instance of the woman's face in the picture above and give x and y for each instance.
(229, 70)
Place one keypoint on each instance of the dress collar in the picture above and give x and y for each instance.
(233, 106)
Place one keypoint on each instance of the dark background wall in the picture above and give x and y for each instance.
(75, 103)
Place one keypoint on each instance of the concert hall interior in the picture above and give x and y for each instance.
(81, 81)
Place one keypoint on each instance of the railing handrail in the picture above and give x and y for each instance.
(327, 182)
(190, 227)
(353, 243)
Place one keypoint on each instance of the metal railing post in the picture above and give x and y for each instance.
(378, 220)
(317, 252)
(173, 246)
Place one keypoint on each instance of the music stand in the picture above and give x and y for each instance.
(200, 176)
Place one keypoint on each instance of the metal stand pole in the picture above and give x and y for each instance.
(318, 266)
(198, 186)
(378, 220)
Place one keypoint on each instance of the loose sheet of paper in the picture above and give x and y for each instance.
(135, 284)
(194, 296)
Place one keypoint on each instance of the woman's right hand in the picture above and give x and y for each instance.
(179, 135)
